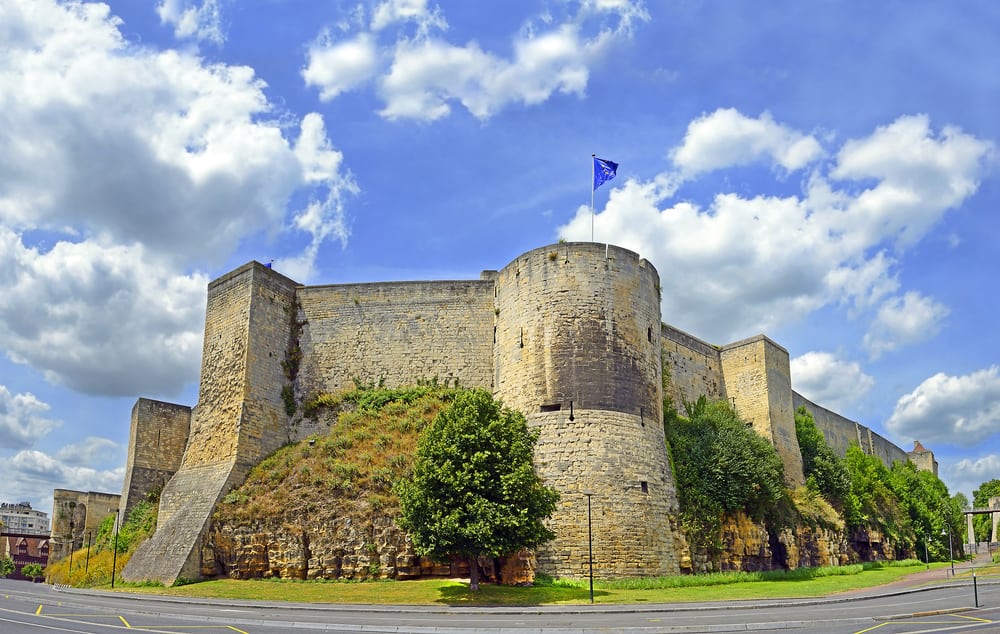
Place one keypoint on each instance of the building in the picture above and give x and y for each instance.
(24, 549)
(22, 519)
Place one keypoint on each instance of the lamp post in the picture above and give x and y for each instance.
(114, 556)
(927, 558)
(951, 553)
(590, 545)
(90, 537)
(71, 544)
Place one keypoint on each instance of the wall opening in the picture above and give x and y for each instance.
(644, 486)
(550, 407)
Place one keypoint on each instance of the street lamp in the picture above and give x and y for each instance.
(90, 536)
(951, 552)
(590, 545)
(71, 544)
(114, 556)
(927, 558)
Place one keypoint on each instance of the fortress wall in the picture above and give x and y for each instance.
(396, 332)
(579, 333)
(758, 379)
(840, 433)
(157, 437)
(693, 368)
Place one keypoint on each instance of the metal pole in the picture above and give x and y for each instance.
(72, 543)
(927, 559)
(90, 537)
(951, 553)
(975, 588)
(114, 557)
(590, 547)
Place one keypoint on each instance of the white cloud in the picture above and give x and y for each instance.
(726, 138)
(90, 451)
(137, 164)
(392, 12)
(956, 410)
(967, 475)
(902, 321)
(779, 258)
(192, 20)
(337, 67)
(31, 475)
(828, 381)
(421, 76)
(22, 420)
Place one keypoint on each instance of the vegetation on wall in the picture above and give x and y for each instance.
(721, 467)
(474, 491)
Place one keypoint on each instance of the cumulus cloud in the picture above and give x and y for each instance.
(191, 20)
(780, 257)
(31, 475)
(967, 474)
(726, 137)
(828, 381)
(904, 321)
(115, 158)
(957, 410)
(22, 420)
(421, 75)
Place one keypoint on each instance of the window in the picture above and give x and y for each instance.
(644, 486)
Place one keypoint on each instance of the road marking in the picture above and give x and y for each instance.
(972, 618)
(873, 627)
(39, 610)
(236, 630)
(124, 621)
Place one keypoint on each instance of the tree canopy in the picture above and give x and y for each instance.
(474, 491)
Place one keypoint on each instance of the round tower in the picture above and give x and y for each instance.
(577, 350)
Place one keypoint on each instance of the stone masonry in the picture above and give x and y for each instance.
(569, 334)
(74, 515)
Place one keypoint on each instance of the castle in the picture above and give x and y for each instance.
(569, 334)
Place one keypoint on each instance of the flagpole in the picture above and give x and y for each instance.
(593, 176)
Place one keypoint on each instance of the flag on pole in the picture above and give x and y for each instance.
(603, 171)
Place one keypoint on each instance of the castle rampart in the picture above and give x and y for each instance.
(840, 433)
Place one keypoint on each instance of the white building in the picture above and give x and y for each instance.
(21, 518)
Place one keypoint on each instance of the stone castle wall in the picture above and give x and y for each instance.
(840, 433)
(693, 368)
(74, 515)
(395, 333)
(157, 437)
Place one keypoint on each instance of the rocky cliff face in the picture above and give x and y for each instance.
(748, 546)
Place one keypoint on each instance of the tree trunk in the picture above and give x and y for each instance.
(474, 574)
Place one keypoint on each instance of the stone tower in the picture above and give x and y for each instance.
(238, 420)
(577, 350)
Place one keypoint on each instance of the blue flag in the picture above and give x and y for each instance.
(603, 171)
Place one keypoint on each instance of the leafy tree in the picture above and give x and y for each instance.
(871, 503)
(931, 510)
(474, 491)
(824, 470)
(721, 466)
(6, 566)
(983, 524)
(32, 570)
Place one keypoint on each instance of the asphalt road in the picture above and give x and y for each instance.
(38, 609)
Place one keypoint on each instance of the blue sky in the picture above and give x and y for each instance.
(825, 173)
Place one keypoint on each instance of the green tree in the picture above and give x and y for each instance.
(871, 503)
(474, 491)
(721, 467)
(32, 570)
(825, 472)
(6, 566)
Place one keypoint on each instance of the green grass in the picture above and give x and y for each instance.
(811, 583)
